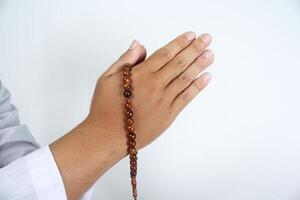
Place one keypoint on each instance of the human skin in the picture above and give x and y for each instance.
(163, 84)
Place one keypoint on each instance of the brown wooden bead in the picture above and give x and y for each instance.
(128, 105)
(133, 156)
(127, 100)
(131, 143)
(135, 196)
(126, 73)
(133, 168)
(127, 93)
(130, 121)
(130, 128)
(129, 113)
(133, 173)
(132, 151)
(133, 162)
(133, 181)
(127, 67)
(127, 86)
(134, 189)
(127, 80)
(131, 136)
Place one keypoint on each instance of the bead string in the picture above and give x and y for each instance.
(131, 136)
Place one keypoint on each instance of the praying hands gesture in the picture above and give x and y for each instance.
(163, 85)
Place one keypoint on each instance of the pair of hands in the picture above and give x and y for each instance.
(163, 85)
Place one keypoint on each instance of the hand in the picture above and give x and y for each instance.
(163, 85)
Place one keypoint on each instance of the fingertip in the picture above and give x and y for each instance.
(203, 80)
(190, 35)
(143, 48)
(206, 77)
(134, 44)
(206, 38)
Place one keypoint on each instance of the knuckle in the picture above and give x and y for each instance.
(159, 103)
(135, 74)
(180, 63)
(182, 42)
(200, 62)
(124, 56)
(155, 81)
(153, 87)
(198, 85)
(184, 79)
(150, 94)
(198, 46)
(165, 53)
(100, 79)
(101, 82)
(187, 96)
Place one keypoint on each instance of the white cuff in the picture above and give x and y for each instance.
(45, 176)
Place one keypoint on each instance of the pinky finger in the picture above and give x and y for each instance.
(186, 96)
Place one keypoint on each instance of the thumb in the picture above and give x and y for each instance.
(134, 55)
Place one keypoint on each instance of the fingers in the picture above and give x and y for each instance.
(134, 55)
(184, 59)
(186, 96)
(166, 53)
(182, 81)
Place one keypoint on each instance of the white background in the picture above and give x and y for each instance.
(238, 140)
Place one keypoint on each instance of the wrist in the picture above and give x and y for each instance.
(112, 139)
(85, 153)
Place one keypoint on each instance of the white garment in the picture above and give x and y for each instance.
(27, 171)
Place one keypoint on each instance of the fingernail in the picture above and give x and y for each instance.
(207, 54)
(205, 38)
(190, 35)
(206, 77)
(134, 44)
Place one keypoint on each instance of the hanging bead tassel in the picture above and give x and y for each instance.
(131, 143)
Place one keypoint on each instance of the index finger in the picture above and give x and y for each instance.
(166, 53)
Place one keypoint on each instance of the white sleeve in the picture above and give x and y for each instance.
(26, 170)
(34, 177)
(16, 139)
